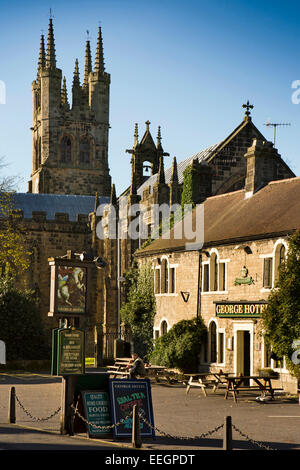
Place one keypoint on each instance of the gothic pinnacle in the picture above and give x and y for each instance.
(113, 196)
(50, 58)
(99, 61)
(64, 93)
(158, 137)
(174, 175)
(42, 56)
(161, 171)
(87, 64)
(136, 134)
(76, 81)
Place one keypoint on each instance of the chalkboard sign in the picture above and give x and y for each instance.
(68, 351)
(97, 411)
(124, 394)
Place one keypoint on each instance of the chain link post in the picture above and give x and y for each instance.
(227, 439)
(136, 430)
(12, 406)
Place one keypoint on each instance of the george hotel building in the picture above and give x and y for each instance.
(227, 281)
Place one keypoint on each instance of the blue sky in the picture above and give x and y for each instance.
(187, 66)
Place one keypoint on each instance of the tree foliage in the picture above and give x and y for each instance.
(14, 258)
(21, 324)
(139, 310)
(180, 346)
(281, 319)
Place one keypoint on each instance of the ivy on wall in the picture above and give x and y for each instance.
(139, 310)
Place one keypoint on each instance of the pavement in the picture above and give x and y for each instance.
(180, 419)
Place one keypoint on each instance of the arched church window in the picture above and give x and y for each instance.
(66, 150)
(84, 150)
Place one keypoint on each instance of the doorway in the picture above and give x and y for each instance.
(243, 352)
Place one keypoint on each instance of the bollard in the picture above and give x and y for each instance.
(12, 406)
(227, 438)
(136, 431)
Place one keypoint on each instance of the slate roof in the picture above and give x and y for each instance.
(272, 211)
(56, 203)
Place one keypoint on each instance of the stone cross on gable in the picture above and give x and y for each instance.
(247, 106)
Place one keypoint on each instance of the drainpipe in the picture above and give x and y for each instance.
(199, 286)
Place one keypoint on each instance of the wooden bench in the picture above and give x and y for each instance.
(120, 367)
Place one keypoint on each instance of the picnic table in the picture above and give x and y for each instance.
(157, 371)
(199, 380)
(120, 369)
(236, 384)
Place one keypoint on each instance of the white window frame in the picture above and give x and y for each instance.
(280, 241)
(219, 261)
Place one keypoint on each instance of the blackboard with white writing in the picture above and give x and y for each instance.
(97, 412)
(124, 394)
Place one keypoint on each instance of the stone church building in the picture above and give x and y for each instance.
(70, 183)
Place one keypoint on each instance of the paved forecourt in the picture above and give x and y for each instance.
(180, 417)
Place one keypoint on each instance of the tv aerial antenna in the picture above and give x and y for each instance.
(275, 125)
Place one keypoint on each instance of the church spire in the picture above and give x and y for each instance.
(50, 58)
(99, 61)
(87, 64)
(42, 56)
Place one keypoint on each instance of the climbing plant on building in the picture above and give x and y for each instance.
(138, 312)
(281, 317)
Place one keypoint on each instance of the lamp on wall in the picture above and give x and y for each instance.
(185, 296)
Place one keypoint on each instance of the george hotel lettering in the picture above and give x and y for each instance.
(240, 309)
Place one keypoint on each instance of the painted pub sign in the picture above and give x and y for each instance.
(68, 287)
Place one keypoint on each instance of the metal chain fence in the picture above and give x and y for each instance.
(257, 443)
(183, 438)
(34, 418)
(156, 429)
(96, 426)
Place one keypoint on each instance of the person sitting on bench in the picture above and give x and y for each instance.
(137, 368)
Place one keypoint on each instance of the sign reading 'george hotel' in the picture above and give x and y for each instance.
(240, 309)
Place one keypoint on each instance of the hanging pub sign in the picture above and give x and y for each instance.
(240, 309)
(124, 394)
(68, 351)
(68, 287)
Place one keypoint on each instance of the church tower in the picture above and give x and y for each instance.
(70, 137)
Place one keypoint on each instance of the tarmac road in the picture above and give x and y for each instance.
(271, 425)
